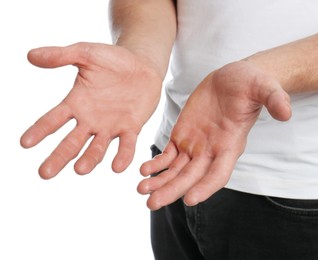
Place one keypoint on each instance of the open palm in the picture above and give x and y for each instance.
(114, 94)
(210, 134)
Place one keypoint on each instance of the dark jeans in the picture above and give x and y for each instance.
(236, 225)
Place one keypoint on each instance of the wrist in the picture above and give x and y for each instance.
(294, 64)
(265, 62)
(149, 56)
(146, 28)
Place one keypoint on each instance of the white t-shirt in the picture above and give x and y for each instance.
(281, 158)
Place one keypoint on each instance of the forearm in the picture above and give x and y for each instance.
(295, 65)
(146, 27)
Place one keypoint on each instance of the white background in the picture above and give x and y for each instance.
(97, 216)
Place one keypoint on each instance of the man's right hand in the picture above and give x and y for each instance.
(114, 94)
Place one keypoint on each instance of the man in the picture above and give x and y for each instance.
(230, 59)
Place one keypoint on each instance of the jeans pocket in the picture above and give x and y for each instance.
(154, 152)
(295, 206)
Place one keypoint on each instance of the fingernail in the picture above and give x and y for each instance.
(190, 203)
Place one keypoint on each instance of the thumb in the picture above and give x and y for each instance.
(53, 57)
(277, 103)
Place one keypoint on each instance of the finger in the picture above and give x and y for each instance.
(93, 155)
(161, 161)
(53, 57)
(152, 184)
(126, 151)
(176, 188)
(67, 150)
(216, 178)
(46, 125)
